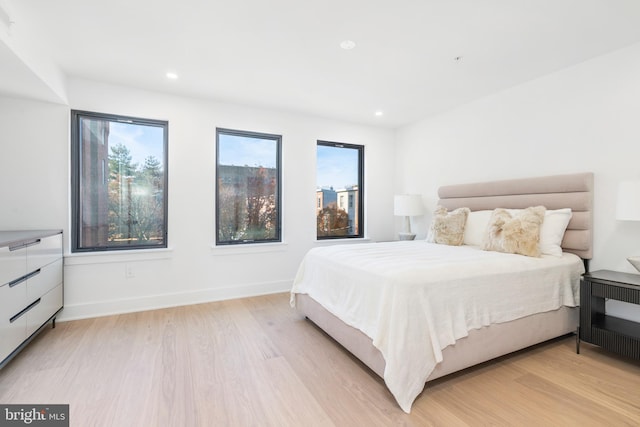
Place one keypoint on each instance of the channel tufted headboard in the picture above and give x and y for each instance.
(573, 191)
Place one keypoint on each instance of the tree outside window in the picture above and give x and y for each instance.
(339, 191)
(119, 182)
(248, 187)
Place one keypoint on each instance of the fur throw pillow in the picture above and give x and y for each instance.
(447, 228)
(518, 234)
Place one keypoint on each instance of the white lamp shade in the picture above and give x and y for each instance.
(408, 205)
(628, 207)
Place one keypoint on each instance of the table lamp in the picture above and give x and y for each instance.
(628, 209)
(407, 205)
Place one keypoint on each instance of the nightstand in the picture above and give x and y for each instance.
(621, 336)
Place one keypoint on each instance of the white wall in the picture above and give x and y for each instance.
(33, 164)
(584, 118)
(190, 271)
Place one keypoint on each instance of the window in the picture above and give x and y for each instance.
(340, 168)
(118, 182)
(248, 187)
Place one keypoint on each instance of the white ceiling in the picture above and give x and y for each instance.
(18, 80)
(285, 54)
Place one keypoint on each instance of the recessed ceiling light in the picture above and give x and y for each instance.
(347, 44)
(379, 113)
(172, 76)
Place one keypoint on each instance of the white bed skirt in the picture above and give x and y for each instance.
(480, 346)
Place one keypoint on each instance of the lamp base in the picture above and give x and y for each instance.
(635, 261)
(406, 236)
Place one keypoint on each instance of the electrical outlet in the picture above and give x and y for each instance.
(128, 271)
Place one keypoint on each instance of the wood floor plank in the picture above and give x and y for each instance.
(612, 385)
(256, 362)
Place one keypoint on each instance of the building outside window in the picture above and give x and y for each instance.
(248, 187)
(339, 191)
(119, 182)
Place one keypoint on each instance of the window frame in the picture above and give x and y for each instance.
(76, 168)
(278, 229)
(360, 198)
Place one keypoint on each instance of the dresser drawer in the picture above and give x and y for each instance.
(11, 334)
(31, 285)
(12, 299)
(44, 251)
(47, 307)
(13, 264)
(44, 279)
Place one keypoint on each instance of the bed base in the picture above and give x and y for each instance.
(480, 346)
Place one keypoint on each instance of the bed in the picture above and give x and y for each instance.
(370, 297)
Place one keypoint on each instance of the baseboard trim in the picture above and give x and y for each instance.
(154, 302)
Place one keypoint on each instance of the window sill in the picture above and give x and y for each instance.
(85, 258)
(248, 248)
(343, 241)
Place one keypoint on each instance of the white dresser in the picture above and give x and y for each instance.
(31, 286)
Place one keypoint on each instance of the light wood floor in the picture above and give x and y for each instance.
(255, 362)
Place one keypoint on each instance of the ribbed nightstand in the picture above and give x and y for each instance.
(596, 326)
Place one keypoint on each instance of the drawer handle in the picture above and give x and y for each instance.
(23, 278)
(24, 245)
(27, 308)
(35, 242)
(33, 274)
(17, 281)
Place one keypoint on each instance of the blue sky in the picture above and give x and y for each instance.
(240, 151)
(336, 167)
(142, 141)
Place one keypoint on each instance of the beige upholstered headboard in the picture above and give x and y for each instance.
(573, 191)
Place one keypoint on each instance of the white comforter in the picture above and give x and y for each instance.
(414, 298)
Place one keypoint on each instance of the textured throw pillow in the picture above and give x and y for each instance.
(475, 227)
(447, 228)
(516, 234)
(552, 231)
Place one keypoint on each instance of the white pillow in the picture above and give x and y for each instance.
(552, 231)
(476, 227)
